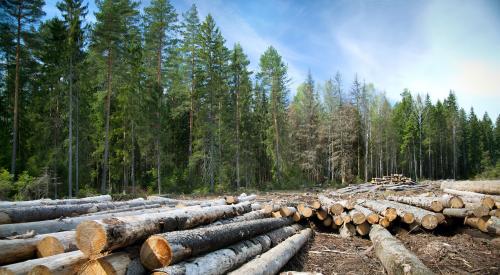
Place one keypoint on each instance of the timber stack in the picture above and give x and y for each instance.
(392, 179)
(159, 235)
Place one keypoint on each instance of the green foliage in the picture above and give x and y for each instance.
(6, 184)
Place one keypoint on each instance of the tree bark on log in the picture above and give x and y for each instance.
(287, 211)
(449, 201)
(172, 247)
(486, 201)
(395, 258)
(493, 226)
(381, 208)
(478, 209)
(47, 212)
(458, 212)
(479, 223)
(347, 230)
(227, 259)
(69, 259)
(330, 205)
(486, 187)
(363, 229)
(61, 264)
(428, 203)
(126, 209)
(56, 243)
(425, 218)
(94, 237)
(176, 202)
(43, 202)
(17, 250)
(66, 224)
(371, 217)
(250, 216)
(273, 260)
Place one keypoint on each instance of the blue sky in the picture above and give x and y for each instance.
(425, 46)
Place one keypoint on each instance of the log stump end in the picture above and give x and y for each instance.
(156, 252)
(49, 246)
(91, 237)
(40, 270)
(4, 218)
(430, 221)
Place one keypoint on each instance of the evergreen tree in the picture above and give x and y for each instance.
(273, 80)
(21, 17)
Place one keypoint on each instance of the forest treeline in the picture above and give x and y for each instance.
(155, 100)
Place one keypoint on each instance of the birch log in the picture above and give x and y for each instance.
(428, 203)
(381, 208)
(56, 225)
(493, 226)
(371, 217)
(172, 247)
(61, 264)
(486, 187)
(457, 212)
(13, 204)
(425, 218)
(330, 205)
(227, 259)
(273, 260)
(69, 259)
(94, 237)
(395, 258)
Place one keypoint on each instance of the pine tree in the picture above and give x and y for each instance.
(113, 19)
(22, 16)
(274, 80)
(74, 13)
(160, 29)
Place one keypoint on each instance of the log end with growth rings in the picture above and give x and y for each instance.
(156, 252)
(49, 246)
(97, 267)
(456, 202)
(436, 206)
(91, 237)
(408, 218)
(430, 221)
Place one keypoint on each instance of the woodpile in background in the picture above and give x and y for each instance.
(159, 235)
(392, 179)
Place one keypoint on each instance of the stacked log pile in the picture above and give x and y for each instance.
(175, 237)
(393, 179)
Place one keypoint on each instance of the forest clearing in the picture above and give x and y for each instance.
(447, 227)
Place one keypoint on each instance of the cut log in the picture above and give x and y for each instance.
(371, 217)
(171, 202)
(287, 211)
(363, 229)
(113, 264)
(346, 218)
(347, 230)
(479, 223)
(357, 217)
(250, 216)
(478, 209)
(17, 250)
(406, 216)
(57, 243)
(269, 208)
(127, 209)
(276, 214)
(297, 216)
(66, 224)
(67, 263)
(458, 212)
(385, 210)
(486, 201)
(47, 212)
(321, 214)
(226, 259)
(451, 201)
(273, 260)
(337, 219)
(241, 198)
(395, 258)
(172, 247)
(330, 205)
(14, 204)
(347, 204)
(94, 237)
(384, 222)
(70, 259)
(493, 226)
(423, 217)
(486, 187)
(316, 204)
(328, 221)
(428, 203)
(495, 213)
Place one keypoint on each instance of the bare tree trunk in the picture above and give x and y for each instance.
(132, 161)
(70, 130)
(16, 91)
(238, 133)
(106, 133)
(77, 188)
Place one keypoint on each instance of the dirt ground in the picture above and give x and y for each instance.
(455, 249)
